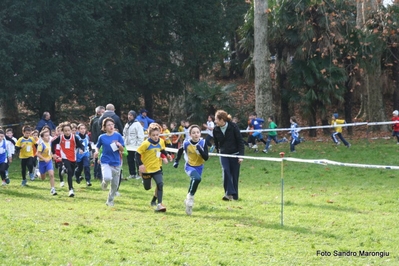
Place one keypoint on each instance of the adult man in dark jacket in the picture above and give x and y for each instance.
(110, 112)
(95, 127)
(45, 121)
(95, 131)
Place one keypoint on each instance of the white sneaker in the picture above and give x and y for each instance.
(131, 177)
(117, 194)
(4, 183)
(255, 146)
(189, 201)
(265, 151)
(71, 194)
(160, 208)
(62, 184)
(138, 177)
(104, 185)
(53, 192)
(109, 203)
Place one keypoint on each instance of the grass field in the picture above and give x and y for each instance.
(329, 211)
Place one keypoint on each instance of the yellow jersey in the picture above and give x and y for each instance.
(151, 155)
(45, 150)
(26, 145)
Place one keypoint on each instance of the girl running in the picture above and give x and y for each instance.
(196, 153)
(68, 145)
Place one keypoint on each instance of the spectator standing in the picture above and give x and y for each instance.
(228, 140)
(133, 135)
(95, 130)
(45, 121)
(142, 117)
(110, 112)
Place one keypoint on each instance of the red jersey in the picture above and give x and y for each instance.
(67, 148)
(395, 127)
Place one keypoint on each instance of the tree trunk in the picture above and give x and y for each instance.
(348, 105)
(47, 105)
(263, 84)
(10, 116)
(148, 102)
(371, 90)
(395, 77)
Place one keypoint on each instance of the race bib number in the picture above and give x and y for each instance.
(158, 154)
(67, 144)
(2, 151)
(114, 147)
(28, 148)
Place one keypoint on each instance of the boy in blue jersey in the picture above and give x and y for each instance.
(83, 158)
(112, 145)
(256, 123)
(5, 157)
(294, 134)
(196, 153)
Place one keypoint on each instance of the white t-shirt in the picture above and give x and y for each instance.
(210, 124)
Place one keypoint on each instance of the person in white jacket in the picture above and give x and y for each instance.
(133, 135)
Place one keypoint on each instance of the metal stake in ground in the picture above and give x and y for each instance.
(282, 188)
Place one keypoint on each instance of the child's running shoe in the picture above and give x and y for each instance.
(189, 201)
(109, 203)
(160, 208)
(4, 183)
(71, 193)
(31, 176)
(24, 182)
(62, 184)
(7, 180)
(53, 192)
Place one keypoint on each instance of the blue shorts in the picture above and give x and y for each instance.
(45, 167)
(257, 134)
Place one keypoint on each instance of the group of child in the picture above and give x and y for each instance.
(70, 148)
(255, 125)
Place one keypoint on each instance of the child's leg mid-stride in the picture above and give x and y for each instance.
(158, 178)
(111, 174)
(47, 167)
(195, 179)
(70, 167)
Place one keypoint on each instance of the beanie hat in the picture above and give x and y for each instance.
(395, 112)
(133, 113)
(335, 115)
(143, 111)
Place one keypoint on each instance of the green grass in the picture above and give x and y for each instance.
(326, 208)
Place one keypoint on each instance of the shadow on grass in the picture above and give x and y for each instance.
(230, 219)
(328, 207)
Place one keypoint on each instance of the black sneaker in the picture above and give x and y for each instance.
(154, 201)
(88, 184)
(78, 179)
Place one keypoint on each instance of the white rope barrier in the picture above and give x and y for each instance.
(301, 128)
(290, 159)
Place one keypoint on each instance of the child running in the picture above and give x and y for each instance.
(395, 127)
(25, 145)
(83, 159)
(5, 158)
(112, 145)
(338, 130)
(149, 159)
(294, 134)
(45, 162)
(272, 135)
(196, 153)
(68, 145)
